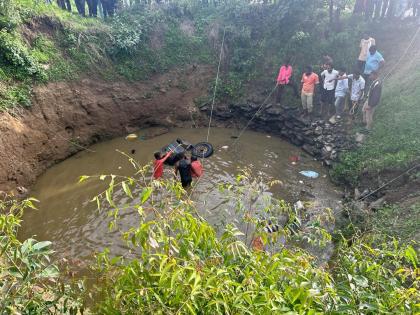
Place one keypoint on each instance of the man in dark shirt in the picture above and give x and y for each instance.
(374, 97)
(184, 168)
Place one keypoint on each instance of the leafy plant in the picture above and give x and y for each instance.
(179, 264)
(30, 283)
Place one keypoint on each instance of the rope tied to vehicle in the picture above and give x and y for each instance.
(216, 84)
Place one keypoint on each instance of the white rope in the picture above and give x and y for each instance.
(215, 85)
(391, 181)
(256, 113)
(403, 55)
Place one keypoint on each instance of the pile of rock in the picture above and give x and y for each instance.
(319, 138)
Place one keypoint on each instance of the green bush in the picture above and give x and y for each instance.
(30, 283)
(16, 58)
(179, 264)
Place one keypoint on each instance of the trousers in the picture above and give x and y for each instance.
(307, 101)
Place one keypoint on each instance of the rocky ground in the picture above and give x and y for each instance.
(319, 138)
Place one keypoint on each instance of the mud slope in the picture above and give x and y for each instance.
(89, 110)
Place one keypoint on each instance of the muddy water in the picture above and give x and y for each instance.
(66, 217)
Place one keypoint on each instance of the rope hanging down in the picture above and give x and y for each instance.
(215, 85)
(256, 113)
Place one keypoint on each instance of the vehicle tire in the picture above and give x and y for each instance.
(203, 150)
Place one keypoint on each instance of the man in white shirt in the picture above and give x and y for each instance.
(357, 89)
(365, 43)
(328, 88)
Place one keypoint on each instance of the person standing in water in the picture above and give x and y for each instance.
(196, 167)
(158, 164)
(183, 167)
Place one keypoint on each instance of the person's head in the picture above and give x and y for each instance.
(308, 70)
(286, 61)
(193, 158)
(356, 74)
(366, 36)
(342, 71)
(374, 75)
(158, 155)
(328, 67)
(372, 49)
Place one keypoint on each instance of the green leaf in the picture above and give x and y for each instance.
(411, 255)
(83, 178)
(145, 195)
(41, 245)
(127, 189)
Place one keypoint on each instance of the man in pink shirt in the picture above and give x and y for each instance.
(309, 81)
(285, 78)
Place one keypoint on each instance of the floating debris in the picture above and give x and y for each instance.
(310, 174)
(299, 205)
(294, 158)
(225, 147)
(131, 137)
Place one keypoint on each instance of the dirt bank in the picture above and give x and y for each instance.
(89, 110)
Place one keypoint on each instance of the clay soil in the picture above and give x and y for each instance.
(67, 115)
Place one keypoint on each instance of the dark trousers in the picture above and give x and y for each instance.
(370, 5)
(80, 5)
(108, 7)
(93, 7)
(64, 4)
(280, 90)
(377, 12)
(385, 4)
(361, 65)
(416, 8)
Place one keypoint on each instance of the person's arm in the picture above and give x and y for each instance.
(289, 74)
(301, 83)
(381, 63)
(316, 83)
(167, 155)
(344, 77)
(279, 77)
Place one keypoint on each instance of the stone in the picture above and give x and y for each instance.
(377, 204)
(318, 131)
(327, 162)
(359, 137)
(357, 193)
(309, 149)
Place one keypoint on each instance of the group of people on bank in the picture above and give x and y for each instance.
(335, 85)
(107, 7)
(187, 167)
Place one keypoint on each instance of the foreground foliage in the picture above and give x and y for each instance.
(30, 283)
(176, 263)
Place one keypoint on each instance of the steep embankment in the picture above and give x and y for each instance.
(88, 110)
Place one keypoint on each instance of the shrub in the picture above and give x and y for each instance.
(180, 264)
(29, 282)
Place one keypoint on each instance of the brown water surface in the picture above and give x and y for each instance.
(78, 230)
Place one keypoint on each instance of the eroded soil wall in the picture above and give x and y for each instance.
(88, 110)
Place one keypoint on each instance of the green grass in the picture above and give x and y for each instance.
(398, 221)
